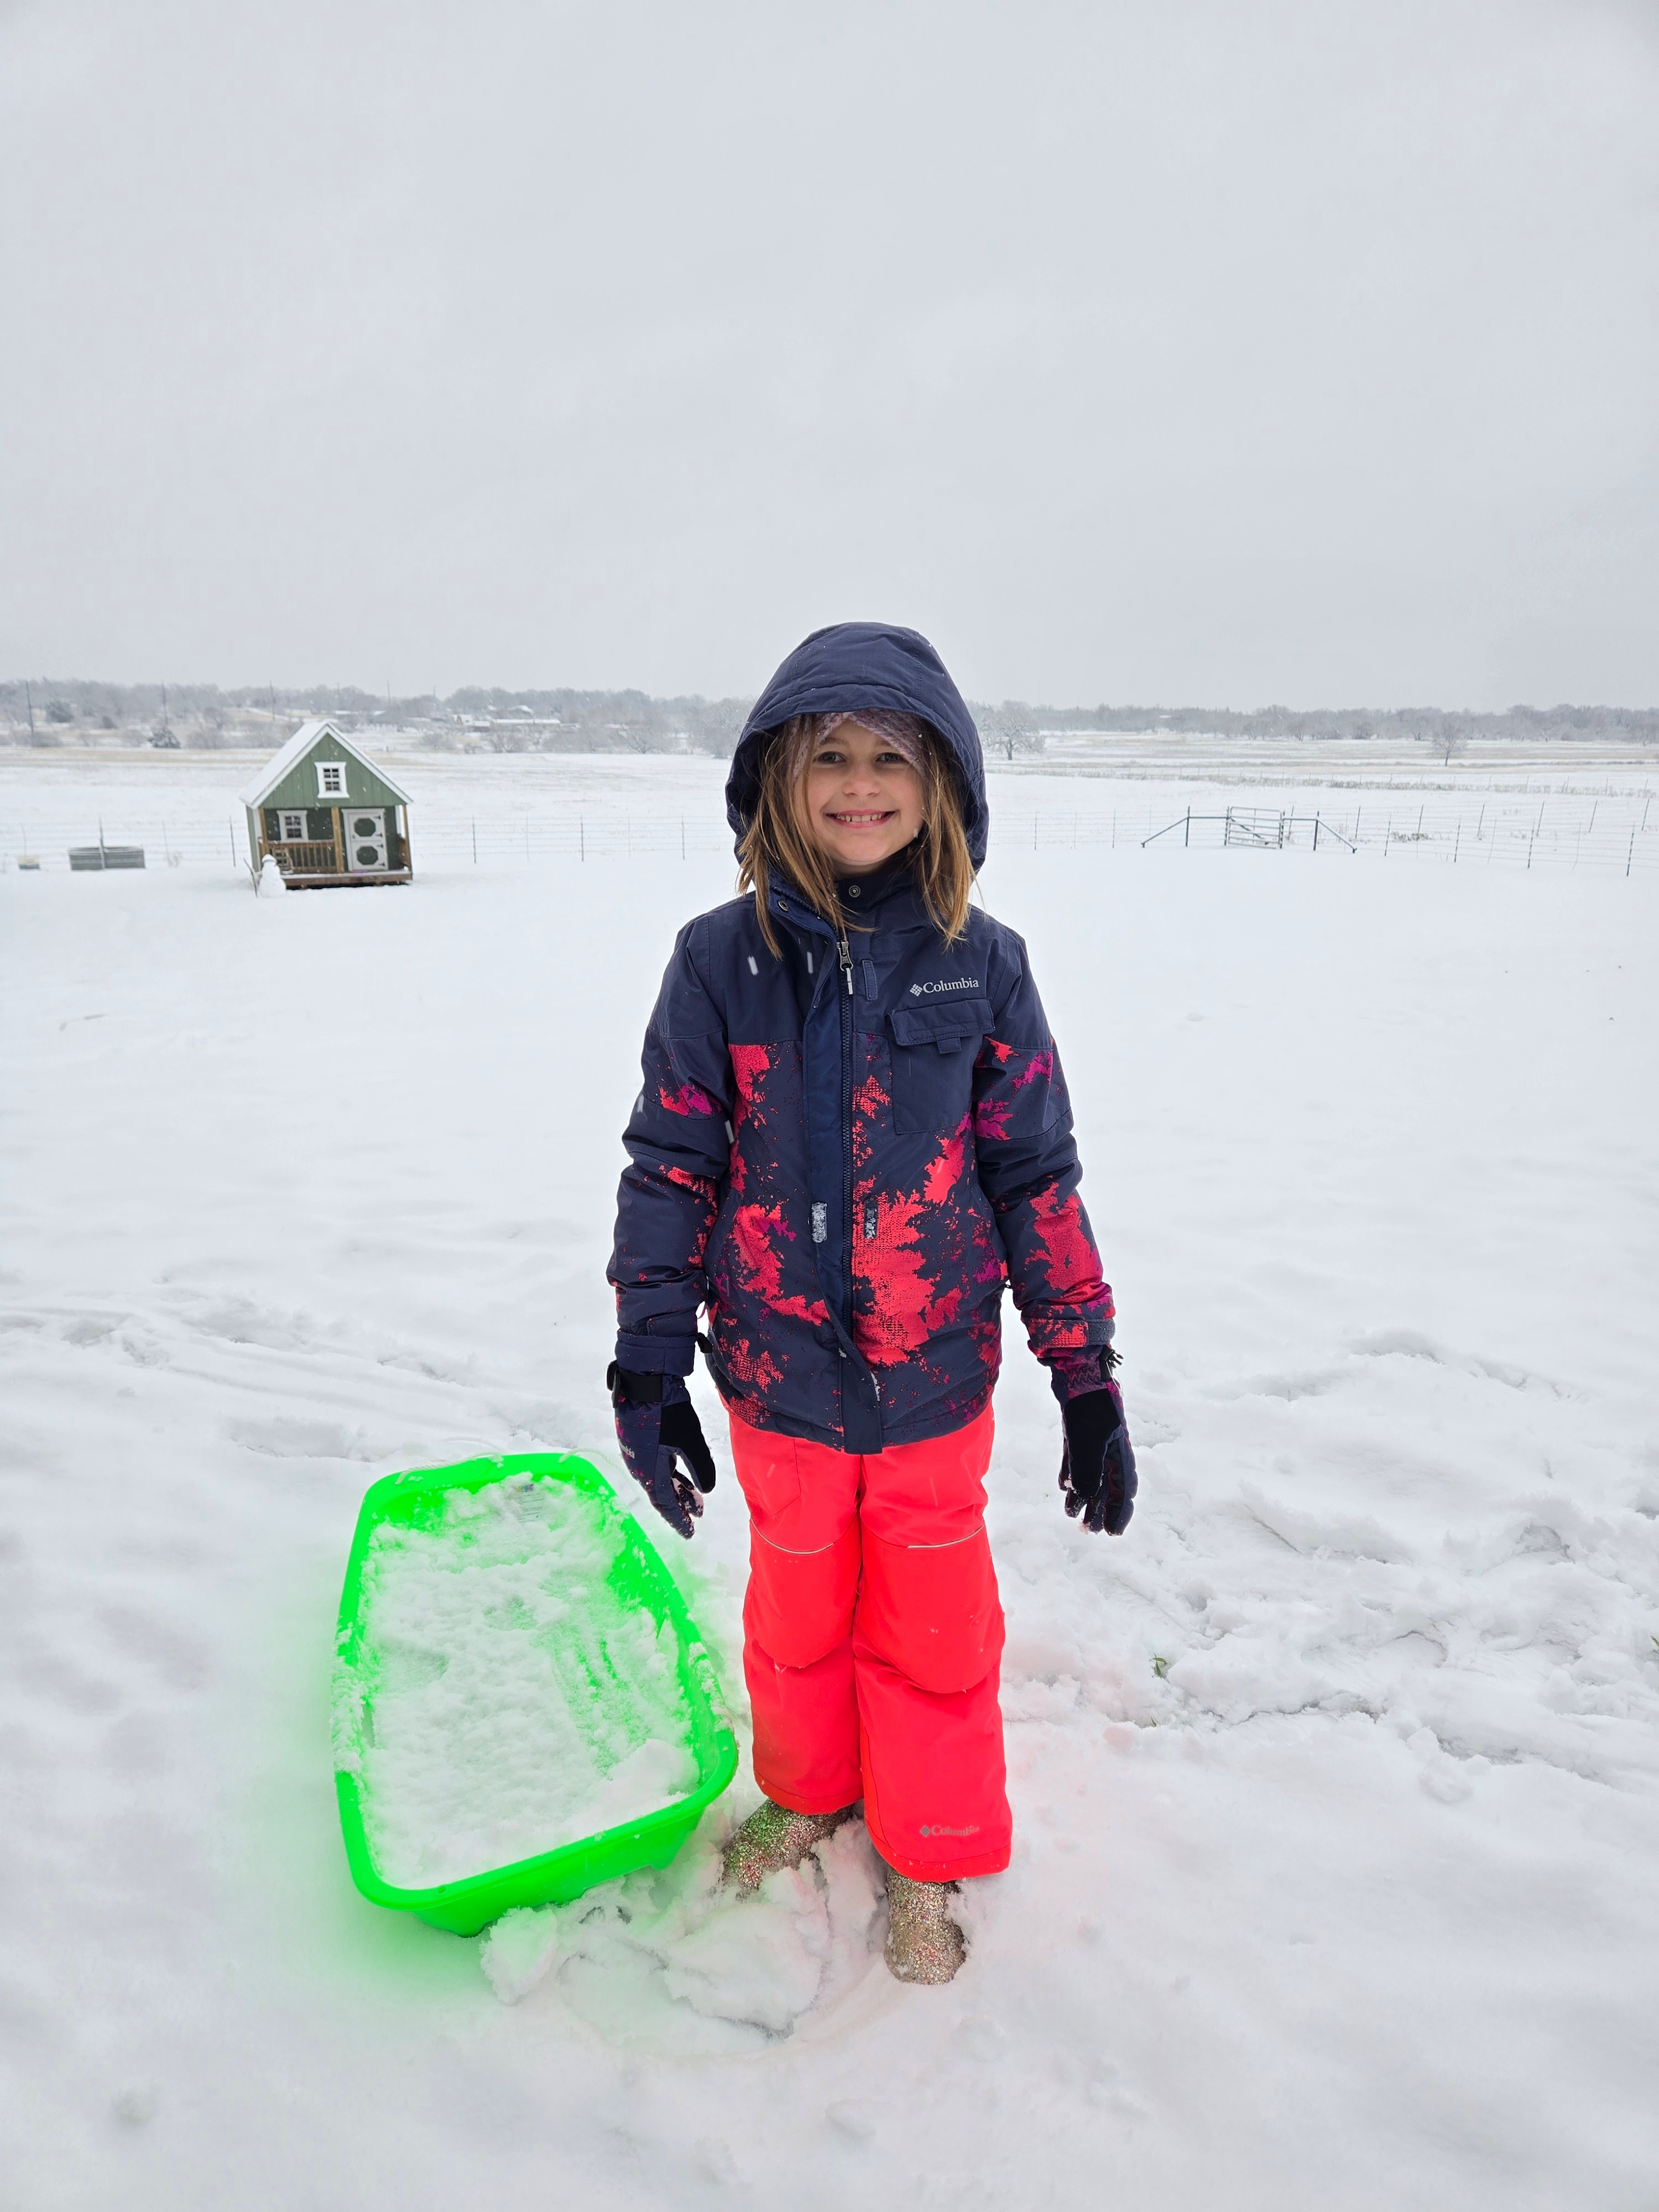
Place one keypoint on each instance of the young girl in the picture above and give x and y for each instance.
(854, 1132)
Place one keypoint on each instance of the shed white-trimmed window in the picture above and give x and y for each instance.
(330, 779)
(291, 828)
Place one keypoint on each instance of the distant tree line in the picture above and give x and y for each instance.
(1430, 724)
(60, 710)
(603, 721)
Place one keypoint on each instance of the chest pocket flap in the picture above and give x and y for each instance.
(947, 1026)
(934, 1048)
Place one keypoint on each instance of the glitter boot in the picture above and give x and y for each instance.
(924, 1944)
(774, 1837)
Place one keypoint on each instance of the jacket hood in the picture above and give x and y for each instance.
(852, 664)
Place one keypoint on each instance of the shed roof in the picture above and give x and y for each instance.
(267, 778)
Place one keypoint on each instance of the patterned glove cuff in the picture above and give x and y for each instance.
(1075, 1374)
(657, 1355)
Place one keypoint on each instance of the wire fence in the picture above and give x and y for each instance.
(1621, 834)
(1618, 834)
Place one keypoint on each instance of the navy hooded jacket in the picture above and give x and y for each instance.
(846, 1179)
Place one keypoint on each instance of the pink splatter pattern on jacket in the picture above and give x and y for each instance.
(755, 1231)
(750, 1066)
(762, 1267)
(910, 1279)
(688, 1098)
(1074, 1272)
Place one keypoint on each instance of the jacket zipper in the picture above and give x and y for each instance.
(845, 952)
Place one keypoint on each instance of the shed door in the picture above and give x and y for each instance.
(365, 839)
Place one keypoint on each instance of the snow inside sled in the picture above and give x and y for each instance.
(522, 1706)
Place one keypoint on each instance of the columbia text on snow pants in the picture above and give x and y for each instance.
(873, 1639)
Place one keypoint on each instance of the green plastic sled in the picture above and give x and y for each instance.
(637, 1580)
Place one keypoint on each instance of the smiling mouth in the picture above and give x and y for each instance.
(864, 820)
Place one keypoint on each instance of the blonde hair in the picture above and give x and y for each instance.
(777, 843)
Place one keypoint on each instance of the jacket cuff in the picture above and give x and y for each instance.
(656, 1355)
(1054, 1335)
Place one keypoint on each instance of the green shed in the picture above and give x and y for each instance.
(327, 814)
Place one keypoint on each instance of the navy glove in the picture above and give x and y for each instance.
(657, 1425)
(1097, 1468)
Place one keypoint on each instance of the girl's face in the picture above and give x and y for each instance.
(862, 802)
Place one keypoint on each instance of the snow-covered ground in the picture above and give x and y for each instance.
(1545, 807)
(1336, 1780)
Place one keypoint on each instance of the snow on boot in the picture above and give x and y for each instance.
(924, 1944)
(774, 1837)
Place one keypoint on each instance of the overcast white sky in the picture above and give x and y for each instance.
(1303, 351)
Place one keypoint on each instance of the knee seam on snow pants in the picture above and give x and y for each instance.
(801, 1605)
(938, 1621)
(789, 1551)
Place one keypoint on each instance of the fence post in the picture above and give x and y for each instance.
(1457, 839)
(1187, 833)
(1316, 833)
(581, 837)
(1630, 854)
(475, 841)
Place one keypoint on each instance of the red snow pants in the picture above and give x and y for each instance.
(872, 1642)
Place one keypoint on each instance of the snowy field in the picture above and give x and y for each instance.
(1336, 1782)
(1546, 806)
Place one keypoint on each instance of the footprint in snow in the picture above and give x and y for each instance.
(670, 1961)
(278, 1437)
